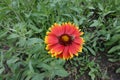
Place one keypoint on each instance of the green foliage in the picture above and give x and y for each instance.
(84, 64)
(118, 70)
(23, 24)
(54, 68)
(113, 43)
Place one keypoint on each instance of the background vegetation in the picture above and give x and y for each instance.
(23, 24)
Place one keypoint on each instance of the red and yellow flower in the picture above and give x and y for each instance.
(64, 41)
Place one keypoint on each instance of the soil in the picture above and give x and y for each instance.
(108, 70)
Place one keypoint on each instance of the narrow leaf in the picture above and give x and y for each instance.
(113, 49)
(91, 50)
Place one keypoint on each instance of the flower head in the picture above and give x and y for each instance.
(64, 41)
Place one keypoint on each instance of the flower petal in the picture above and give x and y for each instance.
(69, 28)
(66, 53)
(75, 48)
(57, 30)
(57, 49)
(51, 39)
(79, 40)
(76, 33)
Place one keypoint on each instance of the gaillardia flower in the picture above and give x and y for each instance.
(64, 41)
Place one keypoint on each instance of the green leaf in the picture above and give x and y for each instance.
(100, 7)
(31, 67)
(114, 48)
(113, 60)
(61, 72)
(1, 70)
(113, 39)
(34, 28)
(67, 15)
(91, 7)
(118, 70)
(38, 76)
(22, 41)
(60, 62)
(91, 50)
(92, 75)
(35, 49)
(3, 33)
(45, 66)
(91, 64)
(118, 31)
(118, 53)
(13, 35)
(75, 20)
(32, 41)
(12, 60)
(75, 9)
(108, 12)
(108, 37)
(95, 23)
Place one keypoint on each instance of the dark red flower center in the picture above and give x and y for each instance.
(65, 39)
